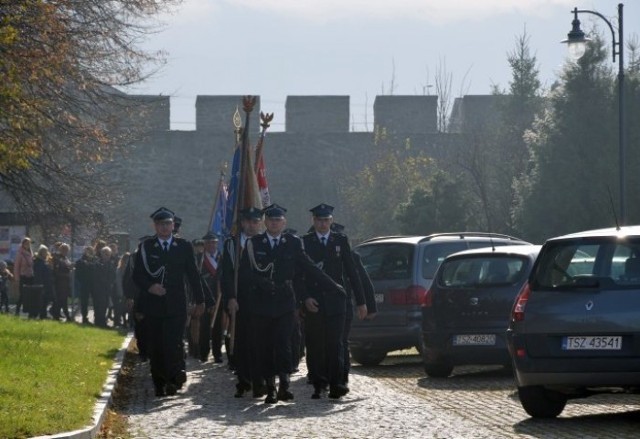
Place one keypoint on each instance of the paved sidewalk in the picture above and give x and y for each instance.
(206, 408)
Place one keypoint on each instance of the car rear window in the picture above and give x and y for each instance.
(483, 270)
(436, 252)
(604, 262)
(391, 261)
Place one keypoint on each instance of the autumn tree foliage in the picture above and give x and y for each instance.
(61, 116)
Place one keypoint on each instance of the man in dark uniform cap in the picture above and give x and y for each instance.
(238, 304)
(277, 264)
(325, 311)
(163, 263)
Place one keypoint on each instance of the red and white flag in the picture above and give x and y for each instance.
(263, 186)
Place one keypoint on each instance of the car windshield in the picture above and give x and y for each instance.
(482, 270)
(391, 261)
(605, 262)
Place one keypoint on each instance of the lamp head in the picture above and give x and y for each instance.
(576, 40)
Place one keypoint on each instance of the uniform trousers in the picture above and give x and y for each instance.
(345, 343)
(165, 348)
(245, 360)
(273, 346)
(325, 351)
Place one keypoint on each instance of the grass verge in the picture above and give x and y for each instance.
(51, 374)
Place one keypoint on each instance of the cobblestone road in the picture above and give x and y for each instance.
(393, 400)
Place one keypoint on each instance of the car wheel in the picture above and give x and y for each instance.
(539, 402)
(368, 357)
(438, 370)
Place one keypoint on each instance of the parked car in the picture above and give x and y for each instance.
(575, 326)
(401, 269)
(465, 313)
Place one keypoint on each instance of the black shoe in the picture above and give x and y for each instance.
(160, 391)
(271, 397)
(284, 395)
(338, 391)
(316, 395)
(171, 389)
(217, 360)
(180, 379)
(241, 388)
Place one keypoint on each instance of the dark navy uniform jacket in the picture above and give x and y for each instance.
(226, 271)
(335, 259)
(179, 266)
(277, 275)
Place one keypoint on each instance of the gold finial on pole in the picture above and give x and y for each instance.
(237, 123)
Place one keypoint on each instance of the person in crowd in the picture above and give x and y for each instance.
(236, 296)
(211, 322)
(85, 274)
(276, 265)
(105, 280)
(5, 277)
(163, 265)
(325, 311)
(23, 270)
(62, 269)
(112, 312)
(43, 276)
(121, 315)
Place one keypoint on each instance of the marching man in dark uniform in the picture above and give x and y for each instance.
(277, 266)
(325, 311)
(163, 263)
(239, 306)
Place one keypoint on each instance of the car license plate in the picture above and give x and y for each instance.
(474, 340)
(379, 297)
(592, 342)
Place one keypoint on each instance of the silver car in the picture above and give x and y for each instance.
(575, 325)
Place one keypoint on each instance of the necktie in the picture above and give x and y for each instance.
(275, 243)
(165, 246)
(324, 240)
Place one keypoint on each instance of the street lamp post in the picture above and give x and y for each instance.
(576, 42)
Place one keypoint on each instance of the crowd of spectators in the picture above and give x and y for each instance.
(49, 285)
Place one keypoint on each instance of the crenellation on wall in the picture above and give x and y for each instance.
(406, 114)
(329, 114)
(215, 113)
(149, 113)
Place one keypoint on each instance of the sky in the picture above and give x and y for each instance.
(358, 48)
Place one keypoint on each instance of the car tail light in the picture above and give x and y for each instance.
(412, 295)
(427, 299)
(517, 314)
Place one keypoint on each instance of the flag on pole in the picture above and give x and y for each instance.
(218, 224)
(263, 187)
(251, 195)
(232, 190)
(261, 173)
